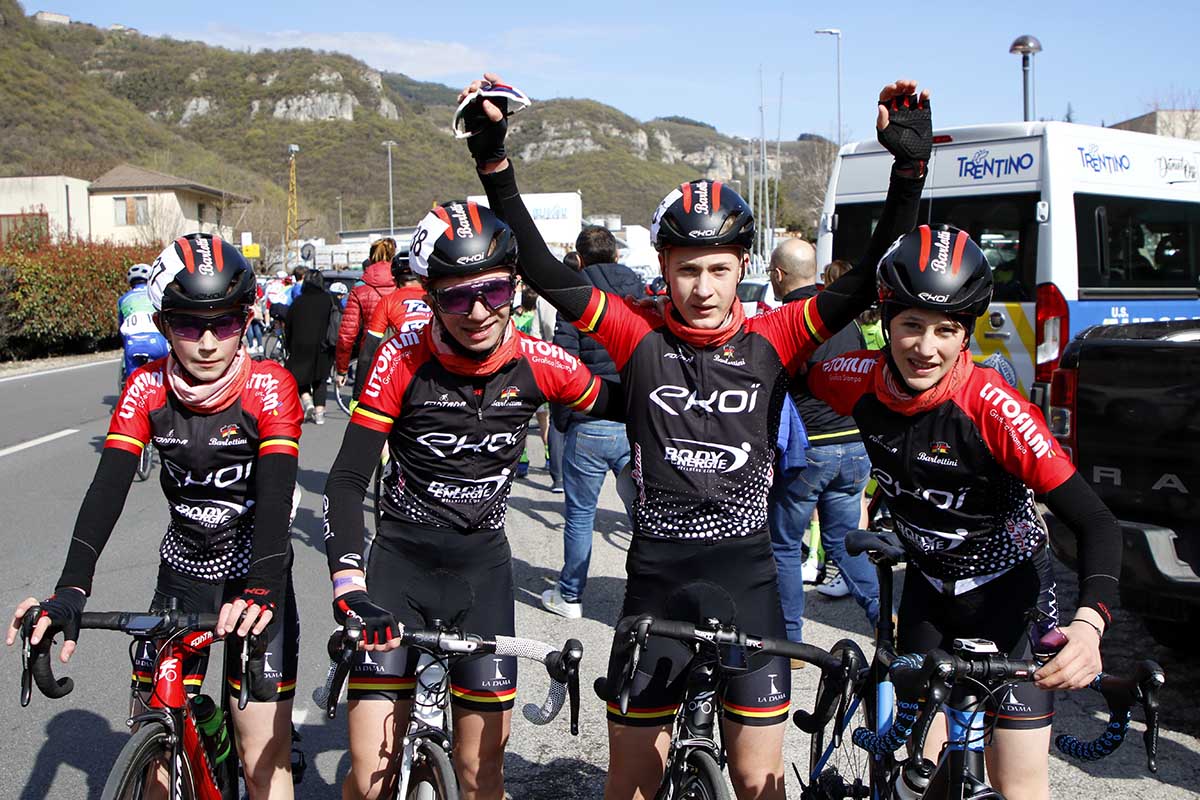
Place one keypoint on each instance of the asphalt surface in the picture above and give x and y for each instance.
(63, 748)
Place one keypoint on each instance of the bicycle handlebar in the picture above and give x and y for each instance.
(915, 677)
(640, 629)
(35, 659)
(562, 665)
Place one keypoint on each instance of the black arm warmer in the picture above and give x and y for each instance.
(275, 482)
(854, 292)
(366, 357)
(98, 516)
(610, 402)
(1098, 535)
(344, 492)
(567, 290)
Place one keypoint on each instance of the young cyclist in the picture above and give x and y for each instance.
(140, 339)
(453, 408)
(704, 388)
(404, 312)
(960, 455)
(226, 428)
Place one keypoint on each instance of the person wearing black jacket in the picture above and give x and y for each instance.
(837, 467)
(309, 360)
(592, 447)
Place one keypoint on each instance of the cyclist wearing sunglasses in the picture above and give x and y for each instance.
(453, 408)
(704, 387)
(226, 429)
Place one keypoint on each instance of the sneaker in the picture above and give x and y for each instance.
(552, 601)
(319, 416)
(811, 572)
(556, 487)
(310, 413)
(835, 588)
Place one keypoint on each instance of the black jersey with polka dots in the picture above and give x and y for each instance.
(960, 478)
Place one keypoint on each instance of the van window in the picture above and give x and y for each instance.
(1005, 226)
(1136, 243)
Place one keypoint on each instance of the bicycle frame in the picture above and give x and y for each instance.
(696, 721)
(168, 704)
(428, 718)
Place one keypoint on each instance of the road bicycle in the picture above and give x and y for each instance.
(695, 760)
(424, 770)
(273, 347)
(343, 394)
(895, 699)
(189, 742)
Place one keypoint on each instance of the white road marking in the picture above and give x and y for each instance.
(58, 369)
(50, 437)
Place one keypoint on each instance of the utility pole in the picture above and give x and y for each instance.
(293, 209)
(389, 144)
(838, 33)
(341, 227)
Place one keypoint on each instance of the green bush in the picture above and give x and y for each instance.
(61, 297)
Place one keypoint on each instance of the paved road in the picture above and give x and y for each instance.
(63, 748)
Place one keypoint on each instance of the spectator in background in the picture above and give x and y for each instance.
(837, 469)
(525, 317)
(254, 331)
(558, 415)
(309, 360)
(377, 284)
(592, 447)
(298, 281)
(339, 292)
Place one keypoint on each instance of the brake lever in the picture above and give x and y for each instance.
(572, 655)
(27, 623)
(244, 688)
(1151, 683)
(640, 633)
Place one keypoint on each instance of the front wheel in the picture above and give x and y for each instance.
(699, 778)
(143, 763)
(432, 775)
(343, 394)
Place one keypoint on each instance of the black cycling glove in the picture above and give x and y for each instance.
(379, 626)
(64, 609)
(487, 146)
(909, 134)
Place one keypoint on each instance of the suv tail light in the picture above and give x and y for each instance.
(1053, 324)
(1063, 384)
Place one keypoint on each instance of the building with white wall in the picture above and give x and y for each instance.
(132, 205)
(57, 204)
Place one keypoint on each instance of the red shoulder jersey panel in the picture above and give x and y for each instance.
(618, 323)
(404, 311)
(795, 330)
(841, 381)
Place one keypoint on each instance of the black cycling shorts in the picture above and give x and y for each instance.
(464, 579)
(193, 595)
(677, 579)
(929, 619)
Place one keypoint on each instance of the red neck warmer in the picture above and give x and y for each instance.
(895, 394)
(703, 337)
(209, 398)
(459, 364)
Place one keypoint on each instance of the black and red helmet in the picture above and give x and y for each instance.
(200, 272)
(938, 268)
(401, 269)
(459, 239)
(702, 214)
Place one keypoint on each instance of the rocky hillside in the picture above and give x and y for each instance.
(89, 97)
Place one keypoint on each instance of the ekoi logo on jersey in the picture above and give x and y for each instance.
(1020, 425)
(674, 399)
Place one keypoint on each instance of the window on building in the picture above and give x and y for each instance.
(201, 212)
(131, 210)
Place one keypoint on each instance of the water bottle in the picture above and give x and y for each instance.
(210, 719)
(913, 779)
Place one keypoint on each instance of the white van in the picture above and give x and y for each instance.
(1082, 226)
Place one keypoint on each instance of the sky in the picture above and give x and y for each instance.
(1107, 60)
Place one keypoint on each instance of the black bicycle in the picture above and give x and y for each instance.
(880, 705)
(696, 759)
(425, 771)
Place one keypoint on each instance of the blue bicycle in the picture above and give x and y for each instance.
(894, 700)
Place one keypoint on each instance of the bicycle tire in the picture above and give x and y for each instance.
(432, 776)
(145, 463)
(147, 745)
(849, 772)
(700, 778)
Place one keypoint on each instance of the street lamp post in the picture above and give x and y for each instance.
(341, 227)
(838, 33)
(1027, 46)
(389, 144)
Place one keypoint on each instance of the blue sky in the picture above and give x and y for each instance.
(1109, 60)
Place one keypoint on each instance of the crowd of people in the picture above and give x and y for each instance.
(481, 329)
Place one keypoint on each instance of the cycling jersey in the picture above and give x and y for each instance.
(960, 478)
(454, 439)
(140, 338)
(404, 312)
(208, 462)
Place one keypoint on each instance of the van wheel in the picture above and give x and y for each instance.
(1178, 636)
